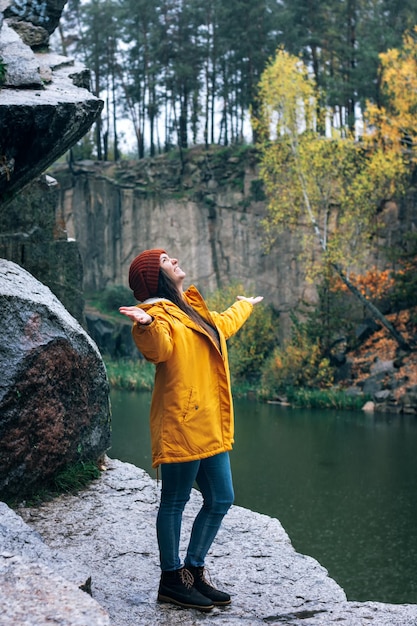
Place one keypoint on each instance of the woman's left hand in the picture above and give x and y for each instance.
(252, 299)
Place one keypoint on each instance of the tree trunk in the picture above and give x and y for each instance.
(183, 120)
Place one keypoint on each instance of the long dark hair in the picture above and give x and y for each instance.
(168, 289)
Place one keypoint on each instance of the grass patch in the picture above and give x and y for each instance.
(130, 375)
(75, 477)
(325, 399)
(70, 479)
(245, 389)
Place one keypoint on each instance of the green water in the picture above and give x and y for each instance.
(343, 485)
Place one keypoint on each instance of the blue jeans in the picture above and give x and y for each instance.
(214, 479)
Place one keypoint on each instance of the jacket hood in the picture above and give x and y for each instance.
(192, 295)
(154, 301)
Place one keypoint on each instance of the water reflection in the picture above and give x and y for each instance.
(342, 484)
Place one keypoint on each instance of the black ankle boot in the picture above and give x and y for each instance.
(219, 598)
(177, 587)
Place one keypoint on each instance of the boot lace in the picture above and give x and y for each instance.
(187, 578)
(204, 575)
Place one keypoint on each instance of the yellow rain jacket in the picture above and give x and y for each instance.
(191, 411)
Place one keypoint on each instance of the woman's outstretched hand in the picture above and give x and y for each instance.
(136, 314)
(252, 299)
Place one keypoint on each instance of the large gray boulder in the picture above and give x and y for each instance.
(54, 392)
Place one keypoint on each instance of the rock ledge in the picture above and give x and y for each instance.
(108, 532)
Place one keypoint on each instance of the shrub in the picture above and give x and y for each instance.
(300, 363)
(404, 291)
(69, 479)
(115, 296)
(254, 342)
(75, 477)
(111, 298)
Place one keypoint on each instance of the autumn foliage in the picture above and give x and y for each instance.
(392, 124)
(374, 284)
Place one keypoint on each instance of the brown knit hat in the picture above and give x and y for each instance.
(144, 274)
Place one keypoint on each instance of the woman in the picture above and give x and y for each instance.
(191, 415)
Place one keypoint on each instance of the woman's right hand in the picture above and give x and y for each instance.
(136, 314)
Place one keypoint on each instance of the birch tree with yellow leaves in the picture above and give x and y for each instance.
(333, 185)
(392, 124)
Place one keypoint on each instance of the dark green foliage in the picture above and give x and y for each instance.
(331, 318)
(257, 190)
(75, 477)
(298, 364)
(253, 343)
(341, 42)
(188, 71)
(115, 296)
(305, 361)
(110, 299)
(172, 66)
(404, 291)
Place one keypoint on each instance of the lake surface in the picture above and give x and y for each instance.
(343, 485)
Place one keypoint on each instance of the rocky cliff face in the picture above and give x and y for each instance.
(30, 237)
(206, 209)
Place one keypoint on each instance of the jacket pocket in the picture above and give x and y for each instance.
(191, 404)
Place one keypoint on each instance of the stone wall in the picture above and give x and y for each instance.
(207, 212)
